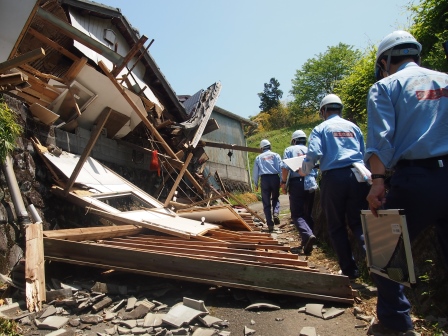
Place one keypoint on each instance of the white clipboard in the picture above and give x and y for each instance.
(294, 163)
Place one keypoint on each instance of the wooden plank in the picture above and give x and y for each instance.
(147, 123)
(178, 179)
(43, 114)
(233, 257)
(197, 246)
(135, 48)
(39, 74)
(24, 58)
(233, 244)
(94, 233)
(34, 267)
(232, 196)
(31, 99)
(44, 39)
(265, 278)
(75, 69)
(86, 152)
(223, 215)
(43, 97)
(207, 253)
(13, 79)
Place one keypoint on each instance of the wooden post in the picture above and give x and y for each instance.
(179, 177)
(135, 48)
(19, 60)
(93, 137)
(34, 267)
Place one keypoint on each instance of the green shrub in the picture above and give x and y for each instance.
(9, 130)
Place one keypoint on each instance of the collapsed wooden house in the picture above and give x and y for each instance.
(209, 245)
(94, 92)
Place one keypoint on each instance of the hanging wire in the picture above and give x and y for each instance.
(158, 146)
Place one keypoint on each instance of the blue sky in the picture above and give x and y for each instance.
(244, 43)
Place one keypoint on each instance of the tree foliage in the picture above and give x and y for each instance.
(271, 95)
(9, 131)
(430, 28)
(320, 76)
(278, 117)
(353, 89)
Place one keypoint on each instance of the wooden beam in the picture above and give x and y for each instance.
(260, 277)
(178, 179)
(246, 207)
(93, 137)
(141, 55)
(74, 70)
(54, 45)
(237, 255)
(24, 58)
(94, 233)
(228, 146)
(135, 48)
(13, 79)
(34, 267)
(147, 123)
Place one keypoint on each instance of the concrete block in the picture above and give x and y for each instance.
(308, 331)
(52, 323)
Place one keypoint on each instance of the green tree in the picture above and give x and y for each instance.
(430, 28)
(320, 76)
(271, 95)
(353, 89)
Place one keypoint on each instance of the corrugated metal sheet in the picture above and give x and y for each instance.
(230, 132)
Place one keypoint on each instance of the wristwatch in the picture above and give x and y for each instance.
(377, 176)
(283, 182)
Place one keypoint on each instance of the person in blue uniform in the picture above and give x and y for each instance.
(337, 144)
(301, 192)
(267, 169)
(407, 133)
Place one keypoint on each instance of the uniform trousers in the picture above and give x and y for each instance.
(270, 192)
(342, 199)
(299, 204)
(423, 194)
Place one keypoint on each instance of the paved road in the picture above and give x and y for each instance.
(284, 205)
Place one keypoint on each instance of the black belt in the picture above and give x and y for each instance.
(329, 170)
(433, 162)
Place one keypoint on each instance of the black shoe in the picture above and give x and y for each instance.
(270, 229)
(276, 220)
(308, 247)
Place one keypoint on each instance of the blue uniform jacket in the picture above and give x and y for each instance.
(336, 142)
(408, 115)
(267, 162)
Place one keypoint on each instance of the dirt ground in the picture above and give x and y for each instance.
(226, 304)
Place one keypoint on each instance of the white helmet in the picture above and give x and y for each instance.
(389, 47)
(264, 143)
(298, 134)
(331, 101)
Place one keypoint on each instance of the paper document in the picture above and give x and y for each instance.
(295, 163)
